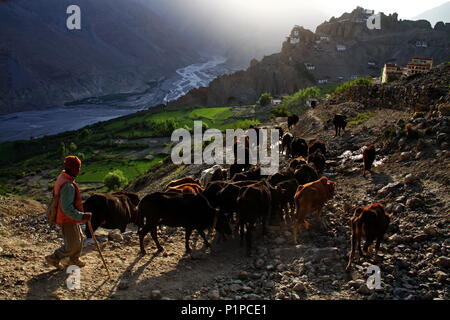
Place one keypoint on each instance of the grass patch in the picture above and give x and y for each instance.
(360, 118)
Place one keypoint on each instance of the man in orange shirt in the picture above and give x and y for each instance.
(69, 215)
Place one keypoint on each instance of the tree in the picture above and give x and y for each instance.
(72, 147)
(265, 99)
(115, 180)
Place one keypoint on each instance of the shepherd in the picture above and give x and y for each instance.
(69, 215)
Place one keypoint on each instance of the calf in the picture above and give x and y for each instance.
(111, 211)
(310, 198)
(292, 120)
(339, 122)
(286, 142)
(299, 148)
(370, 222)
(193, 212)
(368, 158)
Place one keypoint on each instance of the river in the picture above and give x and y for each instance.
(39, 123)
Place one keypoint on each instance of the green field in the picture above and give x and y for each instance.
(110, 145)
(96, 171)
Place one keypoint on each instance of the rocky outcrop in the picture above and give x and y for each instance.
(361, 52)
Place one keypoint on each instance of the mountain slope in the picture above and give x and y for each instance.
(121, 46)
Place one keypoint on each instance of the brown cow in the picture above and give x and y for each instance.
(310, 198)
(368, 158)
(191, 188)
(184, 180)
(370, 222)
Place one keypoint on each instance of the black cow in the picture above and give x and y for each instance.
(292, 120)
(288, 189)
(318, 160)
(339, 122)
(369, 155)
(193, 212)
(306, 174)
(299, 148)
(317, 145)
(286, 142)
(111, 211)
(254, 202)
(280, 176)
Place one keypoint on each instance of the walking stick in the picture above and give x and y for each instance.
(98, 247)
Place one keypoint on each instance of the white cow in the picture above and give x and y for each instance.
(208, 173)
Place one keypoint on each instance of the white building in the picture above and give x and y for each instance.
(310, 66)
(324, 38)
(321, 81)
(295, 40)
(341, 47)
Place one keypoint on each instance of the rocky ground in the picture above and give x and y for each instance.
(411, 178)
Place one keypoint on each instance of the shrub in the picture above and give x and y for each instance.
(265, 99)
(296, 102)
(357, 82)
(360, 118)
(280, 111)
(115, 180)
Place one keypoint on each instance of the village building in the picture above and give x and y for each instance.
(309, 66)
(341, 47)
(419, 65)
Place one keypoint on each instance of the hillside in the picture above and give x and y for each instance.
(414, 256)
(364, 53)
(122, 47)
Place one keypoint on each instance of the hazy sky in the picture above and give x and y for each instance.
(405, 8)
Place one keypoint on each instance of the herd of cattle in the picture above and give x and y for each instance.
(242, 197)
